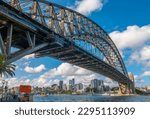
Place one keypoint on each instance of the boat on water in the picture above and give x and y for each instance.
(43, 94)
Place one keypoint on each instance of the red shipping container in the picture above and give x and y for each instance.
(25, 89)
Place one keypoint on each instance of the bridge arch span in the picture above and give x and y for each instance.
(64, 26)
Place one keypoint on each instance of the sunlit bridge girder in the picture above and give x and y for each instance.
(48, 29)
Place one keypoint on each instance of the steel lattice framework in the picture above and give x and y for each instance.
(48, 29)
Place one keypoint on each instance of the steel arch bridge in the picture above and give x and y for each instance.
(48, 29)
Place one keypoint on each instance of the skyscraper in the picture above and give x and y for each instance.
(65, 87)
(72, 84)
(79, 86)
(97, 85)
(60, 85)
(94, 83)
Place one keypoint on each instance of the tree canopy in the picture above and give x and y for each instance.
(6, 69)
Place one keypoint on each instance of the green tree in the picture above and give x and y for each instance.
(6, 69)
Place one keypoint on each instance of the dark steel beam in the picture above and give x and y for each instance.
(2, 46)
(25, 52)
(9, 39)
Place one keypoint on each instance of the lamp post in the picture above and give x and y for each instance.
(6, 89)
(3, 83)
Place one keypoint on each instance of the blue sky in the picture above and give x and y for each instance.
(128, 24)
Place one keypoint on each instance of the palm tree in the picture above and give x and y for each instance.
(5, 68)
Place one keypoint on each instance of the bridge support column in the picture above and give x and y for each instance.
(132, 88)
(126, 89)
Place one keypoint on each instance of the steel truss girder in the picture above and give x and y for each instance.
(78, 60)
(103, 47)
(25, 52)
(62, 53)
(107, 68)
(7, 41)
(70, 57)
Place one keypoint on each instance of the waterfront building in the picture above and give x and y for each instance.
(97, 85)
(106, 88)
(65, 87)
(15, 90)
(37, 90)
(147, 89)
(69, 87)
(55, 87)
(94, 83)
(1, 90)
(79, 86)
(60, 85)
(72, 84)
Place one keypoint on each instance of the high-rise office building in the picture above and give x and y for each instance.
(79, 86)
(98, 85)
(60, 85)
(65, 87)
(72, 84)
(94, 83)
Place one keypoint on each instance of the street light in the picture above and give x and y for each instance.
(3, 82)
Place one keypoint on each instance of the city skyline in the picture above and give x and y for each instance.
(130, 34)
(95, 86)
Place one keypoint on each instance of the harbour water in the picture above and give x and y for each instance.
(90, 98)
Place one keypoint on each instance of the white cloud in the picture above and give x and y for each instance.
(141, 56)
(13, 82)
(110, 82)
(135, 56)
(67, 71)
(29, 56)
(37, 69)
(139, 83)
(136, 39)
(132, 37)
(86, 7)
(146, 64)
(64, 72)
(145, 53)
(138, 78)
(146, 73)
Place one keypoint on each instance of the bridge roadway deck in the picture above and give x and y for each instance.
(77, 56)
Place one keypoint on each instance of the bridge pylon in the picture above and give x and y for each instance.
(126, 89)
